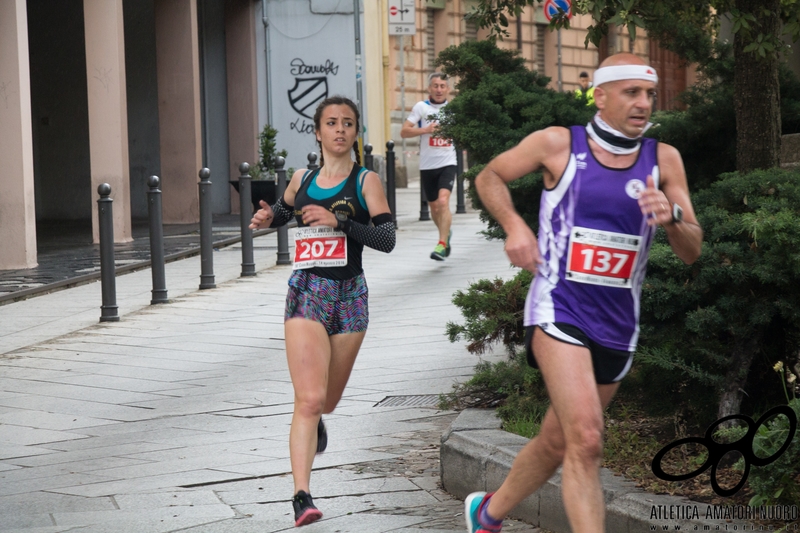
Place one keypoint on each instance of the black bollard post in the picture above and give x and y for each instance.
(245, 214)
(390, 181)
(283, 231)
(369, 159)
(108, 280)
(424, 212)
(312, 161)
(206, 236)
(460, 207)
(159, 292)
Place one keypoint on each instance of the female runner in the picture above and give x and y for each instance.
(326, 308)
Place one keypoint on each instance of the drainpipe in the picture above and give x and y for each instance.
(267, 58)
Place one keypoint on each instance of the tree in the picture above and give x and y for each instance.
(687, 27)
(705, 325)
(709, 330)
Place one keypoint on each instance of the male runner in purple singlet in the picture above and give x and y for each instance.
(606, 191)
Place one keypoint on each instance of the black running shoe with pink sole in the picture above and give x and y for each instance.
(305, 512)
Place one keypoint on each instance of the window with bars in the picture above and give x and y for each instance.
(470, 30)
(541, 31)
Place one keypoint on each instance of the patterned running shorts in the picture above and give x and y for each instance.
(339, 305)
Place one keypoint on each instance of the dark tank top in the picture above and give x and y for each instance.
(345, 198)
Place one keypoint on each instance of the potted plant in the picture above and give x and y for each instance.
(262, 187)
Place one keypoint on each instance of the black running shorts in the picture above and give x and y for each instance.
(610, 366)
(437, 178)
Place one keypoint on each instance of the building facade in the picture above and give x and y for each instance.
(113, 91)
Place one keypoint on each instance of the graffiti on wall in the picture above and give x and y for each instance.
(310, 88)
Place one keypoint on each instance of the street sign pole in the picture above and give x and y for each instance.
(402, 98)
(551, 9)
(359, 77)
(402, 22)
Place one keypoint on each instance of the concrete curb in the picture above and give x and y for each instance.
(476, 455)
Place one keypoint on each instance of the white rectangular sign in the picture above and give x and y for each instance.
(402, 17)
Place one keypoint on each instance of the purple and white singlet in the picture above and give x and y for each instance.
(594, 241)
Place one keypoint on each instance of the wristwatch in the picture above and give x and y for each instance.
(341, 219)
(677, 214)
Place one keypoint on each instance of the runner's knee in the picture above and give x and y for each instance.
(310, 404)
(440, 204)
(586, 442)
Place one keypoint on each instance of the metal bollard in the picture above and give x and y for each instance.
(369, 159)
(108, 280)
(159, 292)
(245, 214)
(283, 231)
(312, 161)
(424, 212)
(390, 181)
(460, 207)
(206, 236)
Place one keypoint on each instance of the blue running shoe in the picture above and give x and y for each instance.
(472, 510)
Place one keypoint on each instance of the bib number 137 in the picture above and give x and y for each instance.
(602, 257)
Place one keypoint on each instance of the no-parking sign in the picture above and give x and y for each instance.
(551, 8)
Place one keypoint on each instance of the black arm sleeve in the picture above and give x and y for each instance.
(282, 213)
(381, 236)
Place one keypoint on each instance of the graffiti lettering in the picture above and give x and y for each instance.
(299, 68)
(300, 125)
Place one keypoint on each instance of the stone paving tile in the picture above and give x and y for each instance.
(35, 522)
(171, 514)
(165, 481)
(93, 449)
(109, 442)
(95, 465)
(82, 393)
(120, 383)
(261, 448)
(187, 463)
(27, 436)
(51, 483)
(16, 453)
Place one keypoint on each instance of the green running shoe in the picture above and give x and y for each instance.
(447, 248)
(439, 253)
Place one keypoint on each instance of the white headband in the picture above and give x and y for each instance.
(624, 72)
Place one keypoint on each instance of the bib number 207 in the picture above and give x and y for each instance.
(319, 247)
(314, 249)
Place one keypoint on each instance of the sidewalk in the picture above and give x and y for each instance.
(177, 417)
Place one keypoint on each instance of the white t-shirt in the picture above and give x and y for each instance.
(434, 152)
